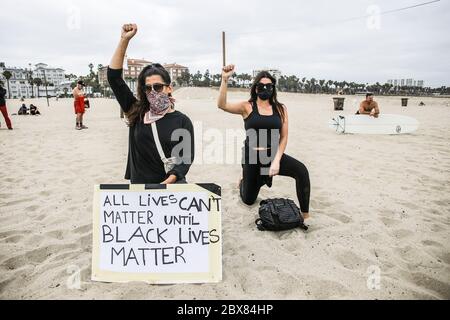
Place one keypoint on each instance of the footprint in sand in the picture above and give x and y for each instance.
(45, 193)
(389, 222)
(83, 229)
(431, 243)
(57, 234)
(402, 233)
(7, 234)
(32, 208)
(339, 217)
(425, 281)
(351, 261)
(13, 239)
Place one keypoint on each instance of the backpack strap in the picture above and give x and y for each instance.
(259, 225)
(158, 143)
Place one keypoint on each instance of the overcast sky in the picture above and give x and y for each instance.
(314, 38)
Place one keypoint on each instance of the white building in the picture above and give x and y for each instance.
(406, 83)
(53, 76)
(20, 82)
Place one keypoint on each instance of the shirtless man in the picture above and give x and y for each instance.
(369, 106)
(78, 95)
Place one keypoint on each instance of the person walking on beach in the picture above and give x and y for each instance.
(369, 106)
(3, 109)
(161, 139)
(78, 95)
(266, 124)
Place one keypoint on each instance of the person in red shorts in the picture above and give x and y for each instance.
(78, 95)
(3, 107)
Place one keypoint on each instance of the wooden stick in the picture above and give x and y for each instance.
(223, 49)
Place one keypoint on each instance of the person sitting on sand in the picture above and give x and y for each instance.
(369, 106)
(266, 125)
(34, 111)
(23, 110)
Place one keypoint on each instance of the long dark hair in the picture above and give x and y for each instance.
(273, 100)
(141, 106)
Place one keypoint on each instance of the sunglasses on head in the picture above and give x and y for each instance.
(264, 86)
(158, 87)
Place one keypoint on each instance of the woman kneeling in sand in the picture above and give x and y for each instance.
(266, 124)
(153, 112)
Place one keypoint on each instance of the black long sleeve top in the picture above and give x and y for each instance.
(2, 96)
(144, 165)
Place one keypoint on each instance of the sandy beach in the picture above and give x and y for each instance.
(378, 202)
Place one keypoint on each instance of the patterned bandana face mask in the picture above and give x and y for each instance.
(160, 104)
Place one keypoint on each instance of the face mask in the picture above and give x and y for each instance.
(160, 104)
(265, 94)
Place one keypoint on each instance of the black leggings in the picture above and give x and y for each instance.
(289, 167)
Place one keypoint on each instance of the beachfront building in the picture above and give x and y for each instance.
(132, 70)
(53, 76)
(18, 85)
(134, 67)
(175, 70)
(406, 83)
(20, 82)
(102, 76)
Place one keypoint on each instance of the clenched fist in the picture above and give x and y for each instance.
(129, 31)
(227, 71)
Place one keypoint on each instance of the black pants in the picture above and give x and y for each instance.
(289, 167)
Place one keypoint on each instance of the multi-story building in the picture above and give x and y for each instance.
(406, 82)
(175, 70)
(53, 76)
(133, 68)
(20, 86)
(102, 76)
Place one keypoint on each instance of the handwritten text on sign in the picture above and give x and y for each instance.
(156, 232)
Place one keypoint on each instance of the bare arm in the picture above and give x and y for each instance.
(362, 110)
(377, 110)
(222, 103)
(283, 136)
(128, 32)
(121, 90)
(275, 166)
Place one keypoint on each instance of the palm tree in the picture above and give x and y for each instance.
(313, 85)
(329, 84)
(38, 83)
(31, 82)
(8, 76)
(91, 69)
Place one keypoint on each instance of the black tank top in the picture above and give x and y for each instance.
(260, 124)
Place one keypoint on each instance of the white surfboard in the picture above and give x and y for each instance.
(365, 124)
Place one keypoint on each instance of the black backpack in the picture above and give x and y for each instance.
(278, 215)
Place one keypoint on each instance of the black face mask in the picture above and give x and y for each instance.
(265, 94)
(265, 91)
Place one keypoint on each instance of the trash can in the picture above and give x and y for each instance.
(338, 103)
(404, 102)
